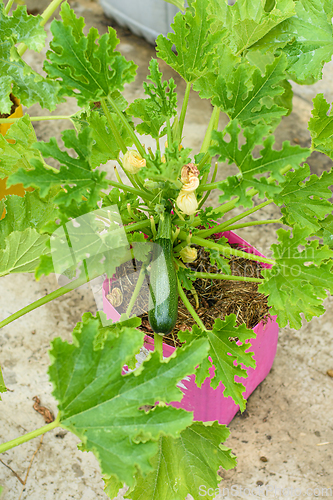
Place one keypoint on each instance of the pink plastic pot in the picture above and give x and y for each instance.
(206, 403)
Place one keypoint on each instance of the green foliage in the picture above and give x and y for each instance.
(305, 203)
(160, 105)
(22, 28)
(224, 352)
(88, 66)
(191, 460)
(21, 251)
(321, 126)
(102, 407)
(194, 40)
(306, 39)
(21, 213)
(298, 281)
(21, 152)
(75, 175)
(254, 171)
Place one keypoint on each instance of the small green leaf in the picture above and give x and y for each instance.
(224, 353)
(321, 126)
(88, 66)
(22, 251)
(102, 406)
(19, 154)
(298, 281)
(184, 464)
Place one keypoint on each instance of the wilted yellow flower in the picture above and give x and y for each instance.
(187, 202)
(191, 185)
(133, 161)
(188, 254)
(188, 172)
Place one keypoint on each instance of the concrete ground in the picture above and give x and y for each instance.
(285, 438)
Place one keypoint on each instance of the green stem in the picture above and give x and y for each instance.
(137, 289)
(203, 233)
(203, 162)
(254, 223)
(158, 344)
(227, 277)
(226, 251)
(46, 16)
(169, 133)
(183, 111)
(208, 192)
(8, 6)
(189, 307)
(113, 127)
(213, 122)
(30, 435)
(131, 189)
(37, 118)
(128, 128)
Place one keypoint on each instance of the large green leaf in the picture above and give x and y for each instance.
(224, 353)
(248, 22)
(321, 126)
(306, 39)
(305, 203)
(253, 171)
(22, 250)
(194, 41)
(88, 66)
(75, 174)
(186, 465)
(19, 154)
(22, 28)
(160, 104)
(298, 281)
(102, 406)
(21, 213)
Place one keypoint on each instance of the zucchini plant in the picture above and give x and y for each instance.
(242, 58)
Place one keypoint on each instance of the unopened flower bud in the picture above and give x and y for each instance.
(188, 254)
(133, 161)
(187, 202)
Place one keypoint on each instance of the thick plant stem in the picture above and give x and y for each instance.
(183, 111)
(37, 118)
(203, 162)
(127, 126)
(113, 127)
(226, 251)
(48, 12)
(158, 344)
(213, 123)
(204, 198)
(131, 189)
(253, 223)
(30, 435)
(226, 277)
(189, 307)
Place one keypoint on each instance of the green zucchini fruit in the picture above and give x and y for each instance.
(163, 297)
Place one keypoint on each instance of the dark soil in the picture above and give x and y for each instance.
(217, 298)
(12, 110)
